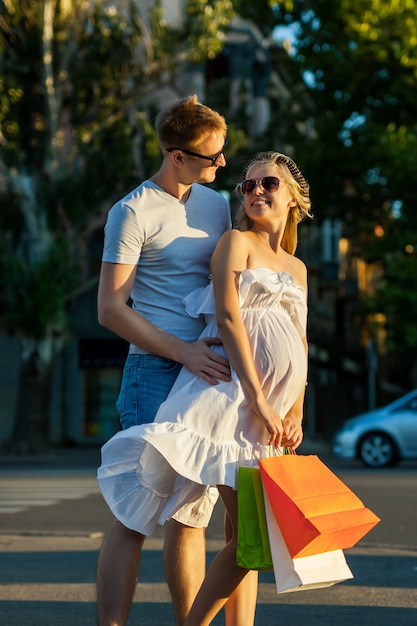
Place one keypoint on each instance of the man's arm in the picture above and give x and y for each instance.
(116, 282)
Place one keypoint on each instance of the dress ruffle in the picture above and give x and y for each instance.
(140, 486)
(288, 294)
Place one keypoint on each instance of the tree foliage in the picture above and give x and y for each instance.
(78, 85)
(355, 62)
(78, 81)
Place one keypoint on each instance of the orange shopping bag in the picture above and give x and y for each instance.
(316, 512)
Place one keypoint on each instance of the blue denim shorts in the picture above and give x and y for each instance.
(146, 382)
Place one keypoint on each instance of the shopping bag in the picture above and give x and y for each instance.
(316, 512)
(308, 572)
(252, 537)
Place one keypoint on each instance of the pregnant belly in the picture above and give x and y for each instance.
(280, 359)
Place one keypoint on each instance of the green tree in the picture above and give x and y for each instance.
(354, 68)
(78, 80)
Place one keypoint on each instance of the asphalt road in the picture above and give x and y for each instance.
(52, 521)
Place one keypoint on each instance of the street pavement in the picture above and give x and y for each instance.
(52, 521)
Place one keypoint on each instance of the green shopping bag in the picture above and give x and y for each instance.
(253, 551)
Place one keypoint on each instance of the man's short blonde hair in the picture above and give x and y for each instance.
(187, 122)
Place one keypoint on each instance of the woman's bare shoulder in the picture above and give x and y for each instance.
(299, 271)
(235, 237)
(295, 266)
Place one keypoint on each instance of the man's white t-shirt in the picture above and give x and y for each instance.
(171, 242)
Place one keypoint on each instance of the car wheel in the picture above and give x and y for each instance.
(378, 450)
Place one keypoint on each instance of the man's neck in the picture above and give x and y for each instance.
(171, 186)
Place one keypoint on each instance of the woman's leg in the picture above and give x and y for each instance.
(241, 606)
(223, 576)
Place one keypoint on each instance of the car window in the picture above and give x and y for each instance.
(411, 405)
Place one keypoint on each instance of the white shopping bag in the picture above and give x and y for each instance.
(308, 572)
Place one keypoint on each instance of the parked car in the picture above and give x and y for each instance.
(383, 437)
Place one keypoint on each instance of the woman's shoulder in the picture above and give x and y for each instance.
(298, 269)
(233, 244)
(237, 237)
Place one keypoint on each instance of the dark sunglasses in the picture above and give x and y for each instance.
(269, 184)
(213, 158)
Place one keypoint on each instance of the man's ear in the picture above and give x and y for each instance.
(178, 157)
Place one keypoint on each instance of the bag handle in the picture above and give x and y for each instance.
(273, 451)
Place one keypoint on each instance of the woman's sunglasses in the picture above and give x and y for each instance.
(270, 184)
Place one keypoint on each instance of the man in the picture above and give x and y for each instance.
(158, 244)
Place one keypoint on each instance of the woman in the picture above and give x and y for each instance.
(202, 434)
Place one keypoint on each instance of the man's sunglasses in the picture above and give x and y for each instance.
(213, 158)
(269, 184)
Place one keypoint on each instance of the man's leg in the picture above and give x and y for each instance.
(185, 565)
(117, 571)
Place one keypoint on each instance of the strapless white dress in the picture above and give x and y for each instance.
(203, 433)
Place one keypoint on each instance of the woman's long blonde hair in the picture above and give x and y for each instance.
(298, 188)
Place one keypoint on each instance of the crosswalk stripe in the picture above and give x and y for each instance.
(16, 496)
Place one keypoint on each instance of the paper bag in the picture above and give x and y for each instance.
(252, 538)
(316, 512)
(309, 572)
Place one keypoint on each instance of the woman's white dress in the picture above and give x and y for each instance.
(203, 433)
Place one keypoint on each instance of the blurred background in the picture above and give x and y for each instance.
(332, 84)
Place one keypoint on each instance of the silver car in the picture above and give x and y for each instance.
(381, 438)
